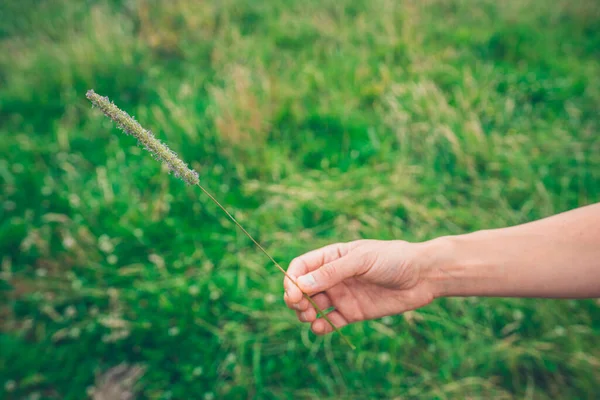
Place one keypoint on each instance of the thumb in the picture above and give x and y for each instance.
(329, 275)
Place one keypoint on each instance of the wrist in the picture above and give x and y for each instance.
(454, 265)
(438, 260)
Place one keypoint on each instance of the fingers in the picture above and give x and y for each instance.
(305, 310)
(322, 327)
(330, 274)
(307, 316)
(309, 262)
(302, 305)
(321, 300)
(291, 291)
(307, 313)
(316, 258)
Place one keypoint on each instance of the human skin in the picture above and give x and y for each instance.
(555, 257)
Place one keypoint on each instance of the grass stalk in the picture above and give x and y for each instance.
(163, 154)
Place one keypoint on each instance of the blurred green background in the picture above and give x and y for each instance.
(314, 122)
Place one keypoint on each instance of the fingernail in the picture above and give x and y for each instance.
(303, 316)
(307, 280)
(296, 306)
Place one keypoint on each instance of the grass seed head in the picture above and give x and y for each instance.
(130, 126)
(162, 153)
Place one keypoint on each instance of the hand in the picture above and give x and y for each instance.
(362, 280)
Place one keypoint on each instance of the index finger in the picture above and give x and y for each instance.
(309, 262)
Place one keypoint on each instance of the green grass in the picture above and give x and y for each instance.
(313, 121)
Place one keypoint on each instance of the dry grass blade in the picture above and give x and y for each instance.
(118, 383)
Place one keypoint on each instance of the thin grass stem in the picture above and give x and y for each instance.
(162, 153)
(312, 302)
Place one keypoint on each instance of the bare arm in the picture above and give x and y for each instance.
(556, 257)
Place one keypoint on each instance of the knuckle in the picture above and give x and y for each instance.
(304, 316)
(296, 263)
(329, 271)
(340, 249)
(302, 305)
(366, 260)
(318, 327)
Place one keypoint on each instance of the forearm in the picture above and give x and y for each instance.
(554, 257)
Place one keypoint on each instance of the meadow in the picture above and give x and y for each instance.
(313, 122)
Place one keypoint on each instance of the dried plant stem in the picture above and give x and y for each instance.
(317, 308)
(162, 153)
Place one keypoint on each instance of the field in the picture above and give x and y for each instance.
(313, 122)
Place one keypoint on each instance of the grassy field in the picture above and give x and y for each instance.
(314, 122)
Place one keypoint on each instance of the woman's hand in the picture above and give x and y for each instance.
(362, 280)
(556, 257)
